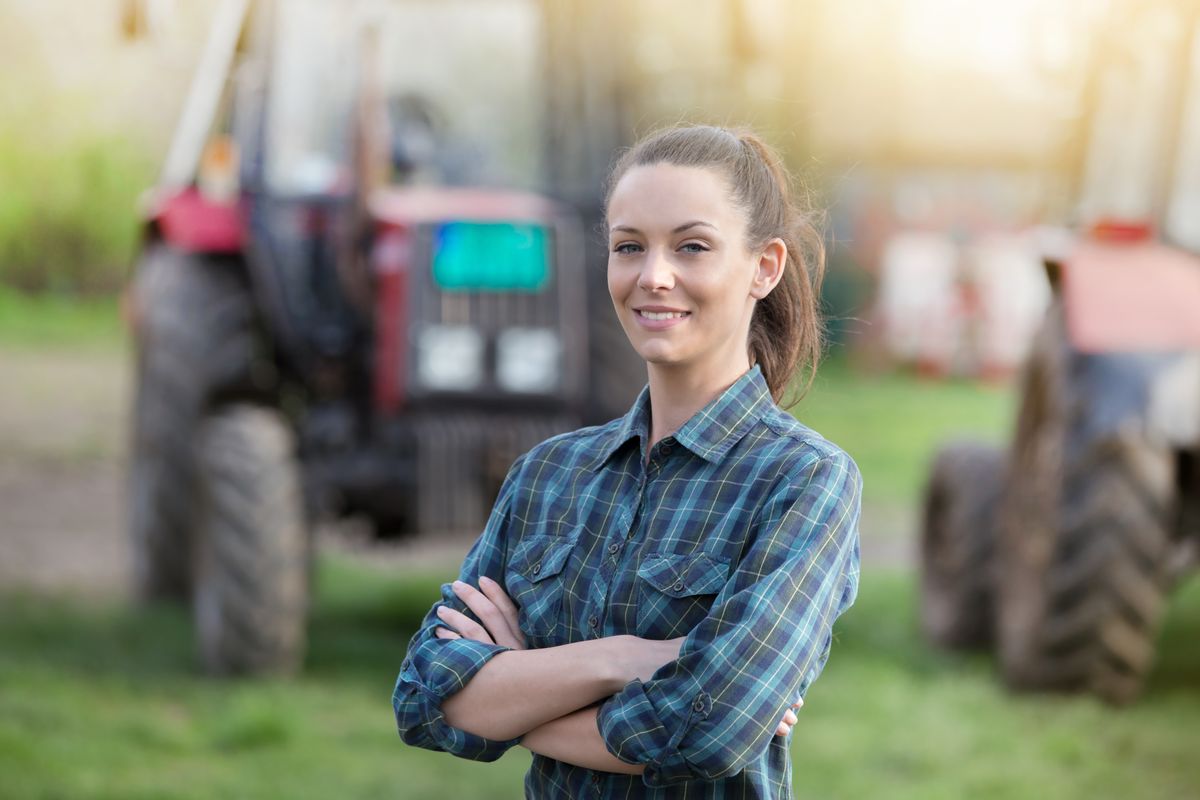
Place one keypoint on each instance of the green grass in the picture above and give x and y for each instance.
(32, 321)
(891, 424)
(105, 702)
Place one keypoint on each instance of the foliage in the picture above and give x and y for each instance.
(68, 213)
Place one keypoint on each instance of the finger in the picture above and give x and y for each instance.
(445, 633)
(495, 593)
(798, 704)
(486, 610)
(789, 717)
(464, 625)
(782, 730)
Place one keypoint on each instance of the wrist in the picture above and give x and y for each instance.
(610, 660)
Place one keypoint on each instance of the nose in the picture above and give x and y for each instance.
(656, 272)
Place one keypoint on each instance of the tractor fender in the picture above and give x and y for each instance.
(1130, 297)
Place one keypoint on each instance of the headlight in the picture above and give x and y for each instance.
(449, 357)
(527, 360)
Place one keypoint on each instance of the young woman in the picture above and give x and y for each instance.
(651, 598)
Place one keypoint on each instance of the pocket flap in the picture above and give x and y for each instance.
(680, 575)
(541, 557)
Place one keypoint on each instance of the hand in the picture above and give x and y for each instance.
(492, 606)
(789, 719)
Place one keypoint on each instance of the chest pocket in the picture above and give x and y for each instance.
(534, 581)
(676, 591)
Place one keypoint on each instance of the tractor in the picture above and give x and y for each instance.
(1060, 551)
(350, 301)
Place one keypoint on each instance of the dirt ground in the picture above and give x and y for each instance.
(64, 421)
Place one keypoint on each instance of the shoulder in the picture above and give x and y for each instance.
(803, 456)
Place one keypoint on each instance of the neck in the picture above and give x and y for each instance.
(677, 392)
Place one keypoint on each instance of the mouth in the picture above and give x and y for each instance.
(661, 315)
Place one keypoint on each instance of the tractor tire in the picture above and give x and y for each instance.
(251, 548)
(1084, 540)
(958, 539)
(195, 339)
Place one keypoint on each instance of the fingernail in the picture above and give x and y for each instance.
(440, 609)
(457, 585)
(483, 578)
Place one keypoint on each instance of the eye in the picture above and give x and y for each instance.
(693, 247)
(627, 248)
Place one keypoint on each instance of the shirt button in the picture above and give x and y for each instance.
(537, 568)
(698, 704)
(595, 779)
(678, 586)
(593, 621)
(613, 548)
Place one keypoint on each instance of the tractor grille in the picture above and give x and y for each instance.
(462, 460)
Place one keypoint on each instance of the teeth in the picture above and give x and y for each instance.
(663, 314)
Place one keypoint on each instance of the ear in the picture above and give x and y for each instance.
(769, 269)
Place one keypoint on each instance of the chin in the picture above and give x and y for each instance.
(655, 354)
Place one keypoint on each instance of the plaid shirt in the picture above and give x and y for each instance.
(742, 533)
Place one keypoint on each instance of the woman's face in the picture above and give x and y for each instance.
(682, 280)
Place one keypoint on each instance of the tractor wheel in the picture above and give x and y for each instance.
(957, 544)
(251, 548)
(1084, 541)
(195, 339)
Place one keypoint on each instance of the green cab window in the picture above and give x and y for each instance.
(491, 256)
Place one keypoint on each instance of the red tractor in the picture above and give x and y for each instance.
(1061, 550)
(335, 310)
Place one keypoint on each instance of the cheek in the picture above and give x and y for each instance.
(618, 282)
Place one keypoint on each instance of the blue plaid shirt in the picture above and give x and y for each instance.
(742, 533)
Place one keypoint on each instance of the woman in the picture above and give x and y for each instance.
(651, 598)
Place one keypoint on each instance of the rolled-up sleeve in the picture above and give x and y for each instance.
(767, 637)
(433, 668)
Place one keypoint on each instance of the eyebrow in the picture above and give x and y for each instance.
(678, 229)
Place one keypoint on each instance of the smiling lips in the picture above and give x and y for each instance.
(659, 318)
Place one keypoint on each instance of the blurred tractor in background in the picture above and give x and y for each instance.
(334, 316)
(1061, 551)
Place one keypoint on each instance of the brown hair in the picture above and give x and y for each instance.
(786, 328)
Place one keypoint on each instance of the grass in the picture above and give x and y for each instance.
(59, 320)
(105, 702)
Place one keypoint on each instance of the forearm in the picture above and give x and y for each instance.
(575, 739)
(519, 690)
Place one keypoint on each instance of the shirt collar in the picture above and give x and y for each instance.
(710, 432)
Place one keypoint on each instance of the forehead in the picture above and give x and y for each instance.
(664, 195)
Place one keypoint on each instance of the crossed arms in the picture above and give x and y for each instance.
(548, 696)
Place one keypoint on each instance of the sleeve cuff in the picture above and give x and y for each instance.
(633, 731)
(421, 689)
